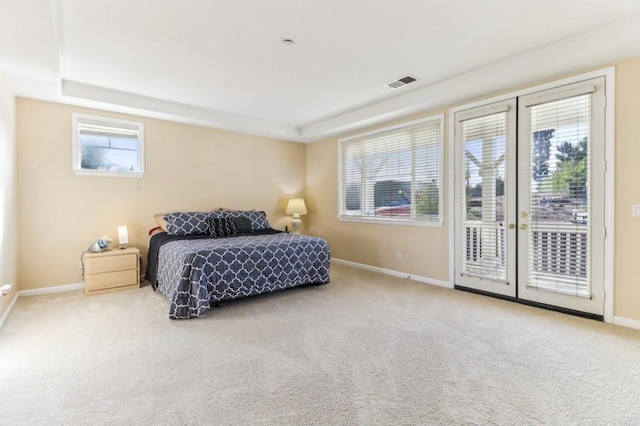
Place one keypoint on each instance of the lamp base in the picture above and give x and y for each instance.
(296, 224)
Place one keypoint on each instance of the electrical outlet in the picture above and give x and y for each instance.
(399, 255)
(6, 288)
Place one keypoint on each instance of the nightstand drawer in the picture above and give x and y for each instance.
(95, 282)
(99, 265)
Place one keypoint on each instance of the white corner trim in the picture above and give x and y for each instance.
(51, 290)
(5, 316)
(609, 190)
(393, 273)
(626, 322)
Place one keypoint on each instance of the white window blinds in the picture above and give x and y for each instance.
(560, 195)
(394, 174)
(481, 197)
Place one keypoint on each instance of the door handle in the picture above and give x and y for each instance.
(523, 226)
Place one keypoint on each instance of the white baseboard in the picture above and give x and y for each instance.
(51, 290)
(393, 273)
(38, 292)
(626, 322)
(5, 316)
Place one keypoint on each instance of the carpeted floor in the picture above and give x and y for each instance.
(367, 349)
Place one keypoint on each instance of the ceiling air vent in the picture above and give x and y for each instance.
(395, 84)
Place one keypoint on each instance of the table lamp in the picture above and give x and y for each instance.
(123, 237)
(296, 207)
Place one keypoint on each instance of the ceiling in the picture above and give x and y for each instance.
(223, 63)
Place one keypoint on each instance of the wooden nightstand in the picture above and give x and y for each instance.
(111, 270)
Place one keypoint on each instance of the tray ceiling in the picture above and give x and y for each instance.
(224, 64)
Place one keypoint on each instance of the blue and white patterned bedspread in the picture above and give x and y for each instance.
(194, 274)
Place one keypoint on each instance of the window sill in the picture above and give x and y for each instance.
(83, 172)
(400, 222)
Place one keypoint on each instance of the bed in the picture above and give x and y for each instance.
(195, 271)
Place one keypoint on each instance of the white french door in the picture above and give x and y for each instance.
(530, 200)
(485, 195)
(561, 197)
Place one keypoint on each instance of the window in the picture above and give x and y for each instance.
(393, 175)
(107, 146)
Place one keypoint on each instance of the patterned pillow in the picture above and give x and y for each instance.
(189, 223)
(258, 218)
(218, 214)
(222, 227)
(243, 225)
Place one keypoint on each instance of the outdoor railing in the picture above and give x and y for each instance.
(557, 249)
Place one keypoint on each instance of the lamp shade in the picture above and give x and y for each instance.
(296, 206)
(123, 235)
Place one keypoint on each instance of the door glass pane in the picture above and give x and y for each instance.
(483, 216)
(559, 197)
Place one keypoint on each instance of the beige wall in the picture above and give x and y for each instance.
(8, 214)
(187, 168)
(425, 250)
(627, 192)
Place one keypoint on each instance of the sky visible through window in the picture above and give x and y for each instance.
(111, 153)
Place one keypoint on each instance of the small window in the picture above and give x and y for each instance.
(107, 146)
(393, 175)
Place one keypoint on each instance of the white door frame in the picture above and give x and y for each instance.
(609, 185)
